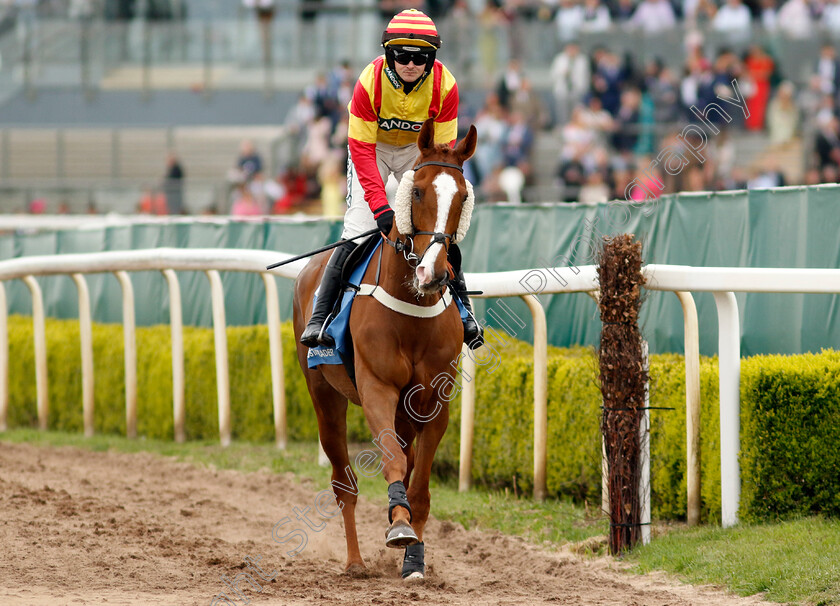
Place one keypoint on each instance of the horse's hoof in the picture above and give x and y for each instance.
(414, 576)
(400, 534)
(355, 570)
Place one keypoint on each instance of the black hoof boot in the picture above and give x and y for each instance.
(414, 566)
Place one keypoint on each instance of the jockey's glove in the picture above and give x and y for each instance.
(385, 221)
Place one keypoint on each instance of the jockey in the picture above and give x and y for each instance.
(394, 95)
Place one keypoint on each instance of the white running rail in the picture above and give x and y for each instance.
(682, 280)
(168, 261)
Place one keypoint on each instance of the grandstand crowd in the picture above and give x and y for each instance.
(598, 115)
(609, 118)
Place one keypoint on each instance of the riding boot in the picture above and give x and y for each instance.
(473, 332)
(315, 332)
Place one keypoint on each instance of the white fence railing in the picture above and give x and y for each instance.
(722, 282)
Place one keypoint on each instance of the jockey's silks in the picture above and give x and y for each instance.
(381, 111)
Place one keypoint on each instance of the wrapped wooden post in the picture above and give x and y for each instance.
(622, 377)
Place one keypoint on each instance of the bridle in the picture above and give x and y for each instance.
(407, 247)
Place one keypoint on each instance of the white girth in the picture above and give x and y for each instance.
(407, 309)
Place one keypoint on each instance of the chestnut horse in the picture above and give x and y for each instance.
(400, 349)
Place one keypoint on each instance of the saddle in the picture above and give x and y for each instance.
(339, 322)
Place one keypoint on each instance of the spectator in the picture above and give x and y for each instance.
(760, 67)
(152, 202)
(340, 84)
(595, 188)
(597, 120)
(622, 11)
(296, 122)
(510, 83)
(491, 28)
(664, 91)
(830, 18)
(627, 121)
(293, 183)
(332, 182)
(249, 161)
(568, 19)
(828, 69)
(38, 206)
(827, 145)
(173, 185)
(324, 100)
(734, 20)
(608, 80)
(571, 176)
(317, 145)
(694, 179)
(825, 110)
(245, 204)
(810, 98)
(529, 103)
(579, 139)
(768, 176)
(265, 191)
(653, 17)
(511, 181)
(517, 142)
(490, 125)
(595, 18)
(783, 115)
(794, 19)
(769, 16)
(570, 76)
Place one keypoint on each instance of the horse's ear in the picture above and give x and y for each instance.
(466, 148)
(426, 139)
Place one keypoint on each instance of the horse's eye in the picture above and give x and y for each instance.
(416, 195)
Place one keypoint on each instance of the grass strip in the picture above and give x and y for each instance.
(792, 562)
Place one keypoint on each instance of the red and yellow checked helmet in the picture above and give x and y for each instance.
(411, 28)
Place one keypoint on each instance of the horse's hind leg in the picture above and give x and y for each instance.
(331, 410)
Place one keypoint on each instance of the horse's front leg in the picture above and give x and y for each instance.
(428, 439)
(379, 403)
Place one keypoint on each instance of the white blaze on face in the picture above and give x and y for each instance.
(445, 188)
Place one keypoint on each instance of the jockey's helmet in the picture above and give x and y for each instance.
(411, 36)
(411, 28)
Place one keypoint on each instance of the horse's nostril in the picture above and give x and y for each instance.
(424, 275)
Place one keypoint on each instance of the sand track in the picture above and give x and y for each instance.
(82, 527)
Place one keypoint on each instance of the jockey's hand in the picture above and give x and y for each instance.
(385, 221)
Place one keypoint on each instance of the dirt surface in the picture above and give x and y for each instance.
(82, 527)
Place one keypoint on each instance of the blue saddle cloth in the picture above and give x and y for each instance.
(339, 328)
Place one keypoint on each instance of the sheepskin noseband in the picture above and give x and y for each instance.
(402, 208)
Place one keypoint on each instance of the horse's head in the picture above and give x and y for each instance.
(434, 205)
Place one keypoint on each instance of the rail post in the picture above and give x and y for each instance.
(39, 330)
(176, 329)
(86, 339)
(130, 354)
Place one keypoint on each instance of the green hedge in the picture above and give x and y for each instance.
(790, 413)
(791, 462)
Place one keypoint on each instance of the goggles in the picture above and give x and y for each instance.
(406, 55)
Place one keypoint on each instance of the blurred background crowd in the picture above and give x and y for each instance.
(572, 99)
